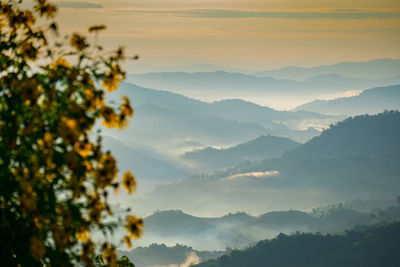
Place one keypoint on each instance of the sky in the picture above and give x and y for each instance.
(245, 34)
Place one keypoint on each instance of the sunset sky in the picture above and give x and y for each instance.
(249, 34)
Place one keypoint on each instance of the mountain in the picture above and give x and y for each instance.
(359, 157)
(375, 69)
(257, 149)
(283, 219)
(162, 255)
(368, 246)
(369, 135)
(181, 119)
(266, 91)
(175, 223)
(241, 229)
(144, 68)
(160, 126)
(247, 111)
(149, 166)
(174, 226)
(370, 101)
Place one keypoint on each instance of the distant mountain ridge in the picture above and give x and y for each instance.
(369, 101)
(375, 69)
(214, 86)
(238, 229)
(221, 80)
(361, 135)
(224, 123)
(257, 149)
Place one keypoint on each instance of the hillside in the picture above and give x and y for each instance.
(241, 229)
(359, 157)
(372, 246)
(370, 101)
(181, 120)
(266, 91)
(362, 135)
(375, 69)
(162, 255)
(257, 149)
(149, 166)
(232, 109)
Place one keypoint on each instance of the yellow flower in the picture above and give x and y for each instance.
(108, 161)
(61, 62)
(38, 249)
(68, 129)
(134, 226)
(122, 122)
(111, 82)
(45, 9)
(110, 118)
(126, 108)
(82, 234)
(87, 252)
(50, 176)
(70, 123)
(113, 78)
(48, 137)
(129, 182)
(96, 208)
(88, 165)
(78, 41)
(107, 170)
(29, 18)
(83, 148)
(109, 254)
(28, 51)
(128, 241)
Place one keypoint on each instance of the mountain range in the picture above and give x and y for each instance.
(370, 101)
(359, 157)
(257, 149)
(165, 120)
(362, 246)
(266, 91)
(373, 69)
(241, 229)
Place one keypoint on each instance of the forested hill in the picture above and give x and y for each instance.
(370, 101)
(371, 247)
(362, 135)
(263, 147)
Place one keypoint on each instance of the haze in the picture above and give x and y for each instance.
(243, 34)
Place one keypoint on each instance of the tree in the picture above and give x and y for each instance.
(55, 178)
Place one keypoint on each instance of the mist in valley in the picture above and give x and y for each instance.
(221, 174)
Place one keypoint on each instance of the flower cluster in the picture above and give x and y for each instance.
(54, 178)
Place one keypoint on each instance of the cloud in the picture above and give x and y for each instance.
(191, 259)
(253, 174)
(67, 4)
(323, 14)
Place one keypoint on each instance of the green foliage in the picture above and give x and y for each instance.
(374, 246)
(55, 180)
